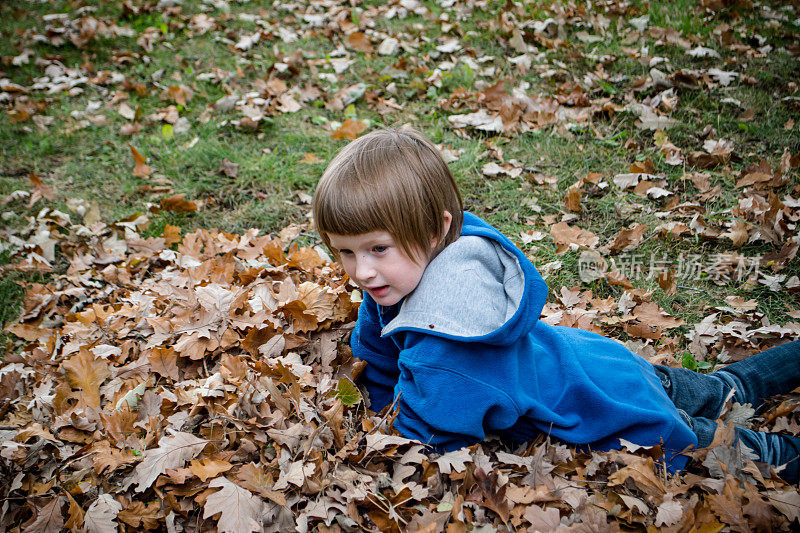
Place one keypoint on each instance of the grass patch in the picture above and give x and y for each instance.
(94, 163)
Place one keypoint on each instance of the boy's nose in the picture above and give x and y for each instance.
(364, 269)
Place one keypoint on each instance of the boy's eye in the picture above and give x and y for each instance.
(345, 252)
(380, 249)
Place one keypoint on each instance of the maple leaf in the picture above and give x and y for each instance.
(41, 189)
(627, 238)
(173, 451)
(240, 509)
(319, 301)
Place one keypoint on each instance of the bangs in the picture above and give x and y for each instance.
(355, 204)
(350, 210)
(393, 181)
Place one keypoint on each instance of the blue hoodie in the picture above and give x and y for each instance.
(465, 354)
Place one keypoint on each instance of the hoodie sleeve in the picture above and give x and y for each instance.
(442, 406)
(381, 373)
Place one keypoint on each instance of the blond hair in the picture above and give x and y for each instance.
(392, 180)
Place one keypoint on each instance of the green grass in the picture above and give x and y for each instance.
(12, 292)
(95, 163)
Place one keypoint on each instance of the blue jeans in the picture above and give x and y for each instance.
(702, 396)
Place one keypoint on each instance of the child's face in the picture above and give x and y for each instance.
(378, 265)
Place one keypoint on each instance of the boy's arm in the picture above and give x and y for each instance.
(442, 406)
(381, 373)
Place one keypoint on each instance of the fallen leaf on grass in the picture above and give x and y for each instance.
(126, 111)
(41, 189)
(178, 204)
(651, 313)
(627, 238)
(359, 41)
(568, 237)
(311, 159)
(228, 168)
(349, 130)
(738, 233)
(141, 170)
(572, 200)
(666, 280)
(130, 128)
(180, 94)
(15, 116)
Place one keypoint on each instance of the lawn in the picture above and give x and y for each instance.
(657, 141)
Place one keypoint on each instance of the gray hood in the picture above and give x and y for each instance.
(471, 289)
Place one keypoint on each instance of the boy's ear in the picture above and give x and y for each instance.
(447, 219)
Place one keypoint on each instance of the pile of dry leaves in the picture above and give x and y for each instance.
(203, 381)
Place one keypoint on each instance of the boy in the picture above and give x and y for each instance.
(449, 326)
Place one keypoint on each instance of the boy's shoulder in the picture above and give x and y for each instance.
(469, 290)
(465, 248)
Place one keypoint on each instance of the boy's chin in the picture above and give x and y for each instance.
(386, 299)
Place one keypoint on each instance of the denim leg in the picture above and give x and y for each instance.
(771, 372)
(774, 371)
(694, 393)
(775, 449)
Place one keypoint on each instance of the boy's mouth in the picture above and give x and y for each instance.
(379, 291)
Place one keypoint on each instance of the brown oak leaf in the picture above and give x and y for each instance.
(85, 374)
(173, 451)
(240, 510)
